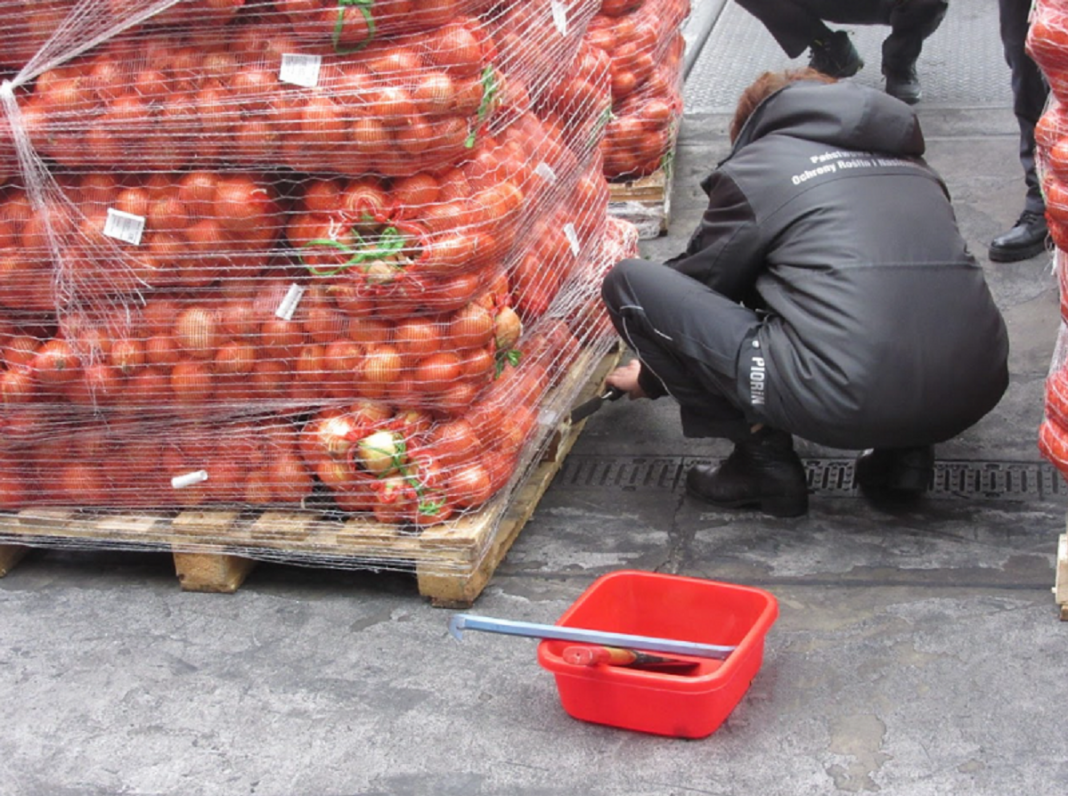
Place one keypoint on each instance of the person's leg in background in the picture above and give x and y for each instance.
(911, 22)
(1027, 237)
(797, 25)
(689, 338)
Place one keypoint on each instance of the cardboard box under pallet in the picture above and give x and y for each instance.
(215, 549)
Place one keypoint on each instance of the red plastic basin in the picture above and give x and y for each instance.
(691, 705)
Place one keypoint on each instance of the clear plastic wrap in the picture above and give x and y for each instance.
(1053, 431)
(367, 293)
(370, 458)
(1047, 44)
(251, 93)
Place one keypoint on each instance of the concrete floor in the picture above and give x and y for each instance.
(918, 648)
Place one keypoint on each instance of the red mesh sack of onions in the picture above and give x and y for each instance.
(246, 94)
(266, 343)
(538, 41)
(409, 467)
(30, 24)
(562, 240)
(579, 104)
(349, 27)
(428, 242)
(642, 132)
(1047, 44)
(1051, 139)
(131, 463)
(107, 233)
(1056, 395)
(1053, 444)
(637, 36)
(1053, 432)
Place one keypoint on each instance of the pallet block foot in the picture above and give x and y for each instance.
(219, 573)
(10, 556)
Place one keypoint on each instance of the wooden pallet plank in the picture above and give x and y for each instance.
(644, 202)
(293, 529)
(10, 556)
(643, 189)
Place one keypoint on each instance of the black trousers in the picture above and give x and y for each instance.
(795, 24)
(1029, 91)
(689, 337)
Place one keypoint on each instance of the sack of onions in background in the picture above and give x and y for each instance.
(644, 42)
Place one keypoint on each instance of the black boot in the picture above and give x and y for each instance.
(895, 469)
(1027, 238)
(834, 55)
(763, 472)
(902, 82)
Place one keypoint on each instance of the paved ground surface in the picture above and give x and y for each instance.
(918, 649)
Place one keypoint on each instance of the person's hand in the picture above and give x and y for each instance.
(625, 378)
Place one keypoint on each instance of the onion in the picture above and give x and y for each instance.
(196, 332)
(508, 329)
(472, 327)
(336, 435)
(381, 452)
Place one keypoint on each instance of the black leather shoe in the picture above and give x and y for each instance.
(763, 472)
(902, 82)
(895, 469)
(835, 55)
(1028, 237)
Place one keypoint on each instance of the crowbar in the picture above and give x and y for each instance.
(460, 622)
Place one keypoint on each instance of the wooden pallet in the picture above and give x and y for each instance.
(645, 202)
(215, 550)
(1060, 589)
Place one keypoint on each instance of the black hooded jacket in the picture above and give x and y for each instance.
(880, 329)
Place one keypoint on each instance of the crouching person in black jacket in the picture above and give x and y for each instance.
(827, 294)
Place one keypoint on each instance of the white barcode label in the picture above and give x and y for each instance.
(545, 171)
(572, 238)
(300, 70)
(289, 303)
(124, 226)
(560, 16)
(182, 481)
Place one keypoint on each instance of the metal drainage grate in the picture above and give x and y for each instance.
(831, 477)
(619, 472)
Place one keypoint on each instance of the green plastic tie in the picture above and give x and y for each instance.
(389, 242)
(339, 26)
(490, 87)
